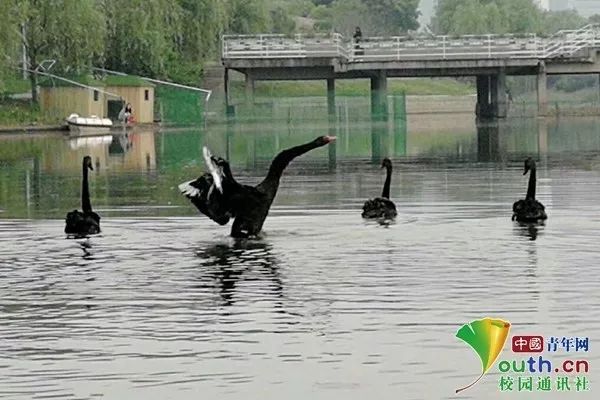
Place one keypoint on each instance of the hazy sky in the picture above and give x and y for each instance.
(426, 7)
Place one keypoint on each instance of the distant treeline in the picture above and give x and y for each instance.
(460, 17)
(169, 39)
(173, 39)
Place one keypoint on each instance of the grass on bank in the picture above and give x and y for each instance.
(11, 85)
(22, 112)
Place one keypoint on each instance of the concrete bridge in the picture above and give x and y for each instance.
(491, 58)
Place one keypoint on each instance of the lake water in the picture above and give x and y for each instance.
(164, 305)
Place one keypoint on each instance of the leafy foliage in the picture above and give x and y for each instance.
(375, 17)
(567, 19)
(66, 30)
(172, 39)
(7, 40)
(139, 35)
(500, 16)
(392, 17)
(247, 16)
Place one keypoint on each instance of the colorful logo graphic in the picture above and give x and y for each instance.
(532, 370)
(528, 344)
(487, 337)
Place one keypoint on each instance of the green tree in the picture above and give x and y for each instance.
(299, 8)
(524, 16)
(468, 18)
(8, 31)
(473, 17)
(496, 20)
(393, 17)
(486, 16)
(555, 21)
(69, 31)
(375, 17)
(443, 19)
(281, 22)
(347, 14)
(323, 17)
(247, 16)
(141, 35)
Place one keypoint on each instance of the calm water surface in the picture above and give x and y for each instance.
(164, 305)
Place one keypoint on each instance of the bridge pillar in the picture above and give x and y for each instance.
(488, 141)
(498, 95)
(482, 109)
(542, 138)
(229, 111)
(332, 120)
(331, 99)
(491, 96)
(379, 114)
(249, 86)
(542, 90)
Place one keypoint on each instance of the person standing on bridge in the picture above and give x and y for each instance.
(357, 38)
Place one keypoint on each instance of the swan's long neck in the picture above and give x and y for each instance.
(227, 171)
(271, 182)
(229, 180)
(386, 186)
(531, 186)
(86, 206)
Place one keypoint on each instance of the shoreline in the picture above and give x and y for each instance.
(415, 105)
(65, 128)
(33, 128)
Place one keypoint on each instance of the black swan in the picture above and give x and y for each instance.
(382, 207)
(529, 210)
(220, 197)
(86, 222)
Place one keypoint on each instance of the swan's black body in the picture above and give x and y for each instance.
(247, 205)
(381, 207)
(529, 210)
(85, 222)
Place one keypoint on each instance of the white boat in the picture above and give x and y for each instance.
(92, 125)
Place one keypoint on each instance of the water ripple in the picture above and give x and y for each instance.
(162, 307)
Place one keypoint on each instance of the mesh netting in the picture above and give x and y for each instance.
(314, 109)
(273, 123)
(399, 118)
(179, 107)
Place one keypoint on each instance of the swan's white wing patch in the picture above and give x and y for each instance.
(214, 170)
(187, 189)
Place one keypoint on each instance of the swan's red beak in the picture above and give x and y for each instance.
(330, 139)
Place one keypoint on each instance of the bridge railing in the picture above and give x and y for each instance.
(446, 47)
(566, 43)
(281, 46)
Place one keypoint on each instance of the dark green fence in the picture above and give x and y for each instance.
(178, 107)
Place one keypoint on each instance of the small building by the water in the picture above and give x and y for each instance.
(61, 98)
(134, 90)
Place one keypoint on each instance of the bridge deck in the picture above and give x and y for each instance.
(328, 56)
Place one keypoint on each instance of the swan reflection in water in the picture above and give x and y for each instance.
(529, 229)
(230, 264)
